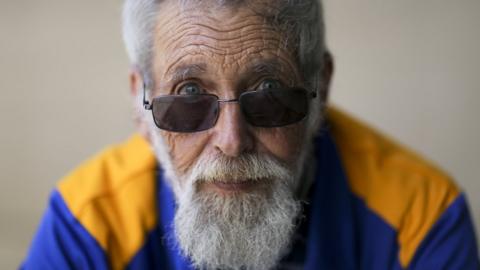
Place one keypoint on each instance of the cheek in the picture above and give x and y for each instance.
(283, 143)
(185, 148)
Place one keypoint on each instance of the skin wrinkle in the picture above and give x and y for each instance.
(245, 25)
(187, 23)
(189, 155)
(252, 30)
(243, 46)
(226, 50)
(287, 74)
(283, 60)
(249, 42)
(252, 228)
(262, 69)
(197, 31)
(229, 54)
(232, 27)
(201, 46)
(183, 72)
(246, 33)
(255, 10)
(288, 133)
(194, 29)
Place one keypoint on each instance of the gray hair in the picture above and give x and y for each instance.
(302, 21)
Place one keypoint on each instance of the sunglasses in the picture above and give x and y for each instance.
(262, 108)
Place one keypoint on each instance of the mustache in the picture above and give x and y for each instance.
(248, 166)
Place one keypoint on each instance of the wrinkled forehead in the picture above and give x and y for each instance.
(229, 38)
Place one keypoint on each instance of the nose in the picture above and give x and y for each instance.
(231, 134)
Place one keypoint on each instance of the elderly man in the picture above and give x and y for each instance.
(240, 165)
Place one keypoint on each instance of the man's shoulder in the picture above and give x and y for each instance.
(405, 190)
(109, 172)
(113, 195)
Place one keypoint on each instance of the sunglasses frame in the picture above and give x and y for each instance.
(149, 106)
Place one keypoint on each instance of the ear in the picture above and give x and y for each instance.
(136, 81)
(136, 92)
(327, 73)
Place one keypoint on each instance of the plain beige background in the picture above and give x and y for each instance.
(410, 68)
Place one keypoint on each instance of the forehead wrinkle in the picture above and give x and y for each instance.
(185, 21)
(198, 45)
(235, 41)
(247, 47)
(232, 45)
(248, 39)
(238, 56)
(258, 55)
(194, 32)
(245, 23)
(227, 49)
(266, 36)
(171, 67)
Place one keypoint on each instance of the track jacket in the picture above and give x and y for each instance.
(373, 206)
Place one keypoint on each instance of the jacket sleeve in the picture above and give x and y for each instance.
(61, 242)
(451, 243)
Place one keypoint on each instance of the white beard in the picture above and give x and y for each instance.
(238, 231)
(248, 230)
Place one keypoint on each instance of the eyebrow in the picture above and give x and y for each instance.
(269, 67)
(185, 71)
(261, 66)
(266, 66)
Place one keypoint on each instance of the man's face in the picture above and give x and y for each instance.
(234, 182)
(225, 52)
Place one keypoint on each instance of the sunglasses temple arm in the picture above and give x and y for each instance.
(146, 104)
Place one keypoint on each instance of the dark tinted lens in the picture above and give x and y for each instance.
(274, 107)
(185, 113)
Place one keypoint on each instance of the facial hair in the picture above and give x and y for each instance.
(243, 231)
(248, 230)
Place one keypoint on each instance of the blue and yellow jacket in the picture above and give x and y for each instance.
(373, 206)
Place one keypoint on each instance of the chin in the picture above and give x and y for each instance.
(217, 227)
